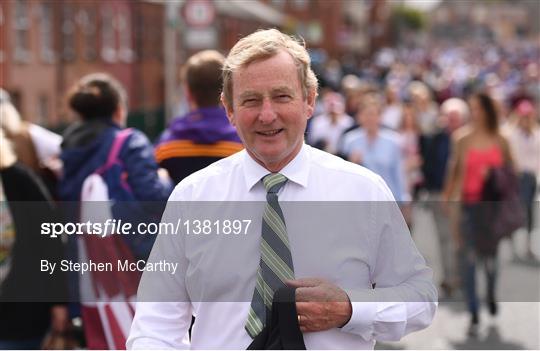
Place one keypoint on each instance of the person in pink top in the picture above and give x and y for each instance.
(476, 149)
(477, 164)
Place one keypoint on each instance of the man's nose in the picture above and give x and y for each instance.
(267, 114)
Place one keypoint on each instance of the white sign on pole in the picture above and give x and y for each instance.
(201, 38)
(199, 13)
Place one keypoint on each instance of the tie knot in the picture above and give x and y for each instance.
(273, 182)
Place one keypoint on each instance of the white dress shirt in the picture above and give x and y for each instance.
(525, 148)
(391, 116)
(322, 128)
(403, 301)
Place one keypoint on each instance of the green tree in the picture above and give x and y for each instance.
(409, 18)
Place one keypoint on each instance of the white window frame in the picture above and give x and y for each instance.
(21, 26)
(87, 20)
(108, 35)
(68, 33)
(46, 32)
(123, 28)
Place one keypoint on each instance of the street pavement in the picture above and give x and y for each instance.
(517, 324)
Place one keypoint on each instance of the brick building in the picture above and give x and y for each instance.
(46, 45)
(319, 22)
(28, 57)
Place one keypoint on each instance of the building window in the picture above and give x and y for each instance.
(2, 44)
(46, 32)
(300, 4)
(157, 39)
(68, 33)
(148, 35)
(108, 47)
(138, 32)
(279, 4)
(43, 110)
(21, 25)
(124, 33)
(87, 22)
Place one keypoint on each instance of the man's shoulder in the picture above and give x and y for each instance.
(321, 120)
(352, 135)
(346, 120)
(391, 136)
(213, 175)
(462, 134)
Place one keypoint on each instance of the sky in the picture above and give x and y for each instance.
(424, 5)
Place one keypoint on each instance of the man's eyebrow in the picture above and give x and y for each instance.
(248, 94)
(283, 90)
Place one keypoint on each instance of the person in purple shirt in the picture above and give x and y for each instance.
(204, 135)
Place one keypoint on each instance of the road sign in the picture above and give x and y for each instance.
(199, 13)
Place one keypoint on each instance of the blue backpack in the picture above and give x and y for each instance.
(106, 195)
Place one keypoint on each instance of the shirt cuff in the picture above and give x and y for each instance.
(364, 310)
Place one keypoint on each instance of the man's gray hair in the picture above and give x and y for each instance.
(264, 44)
(455, 104)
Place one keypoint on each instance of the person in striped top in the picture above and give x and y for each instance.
(204, 135)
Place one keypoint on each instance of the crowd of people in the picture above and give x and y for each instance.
(431, 122)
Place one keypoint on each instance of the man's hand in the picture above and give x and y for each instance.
(320, 304)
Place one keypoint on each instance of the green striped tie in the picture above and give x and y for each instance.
(275, 265)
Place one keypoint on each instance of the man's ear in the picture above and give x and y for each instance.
(120, 115)
(228, 110)
(189, 97)
(311, 98)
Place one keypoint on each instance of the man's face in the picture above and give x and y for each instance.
(269, 110)
(334, 104)
(370, 118)
(454, 120)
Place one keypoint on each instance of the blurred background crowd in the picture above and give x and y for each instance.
(430, 95)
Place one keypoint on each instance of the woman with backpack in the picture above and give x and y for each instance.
(98, 152)
(101, 103)
(477, 148)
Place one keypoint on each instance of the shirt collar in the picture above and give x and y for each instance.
(296, 171)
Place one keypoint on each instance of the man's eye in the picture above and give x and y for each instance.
(249, 102)
(284, 98)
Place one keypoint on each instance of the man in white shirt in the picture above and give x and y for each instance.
(327, 128)
(524, 139)
(358, 275)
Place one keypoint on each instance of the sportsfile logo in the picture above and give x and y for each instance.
(110, 226)
(113, 226)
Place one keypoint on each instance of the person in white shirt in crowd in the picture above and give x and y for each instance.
(426, 109)
(409, 138)
(523, 135)
(326, 129)
(349, 293)
(410, 143)
(437, 150)
(392, 113)
(353, 88)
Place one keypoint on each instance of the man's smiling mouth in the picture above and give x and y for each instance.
(270, 132)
